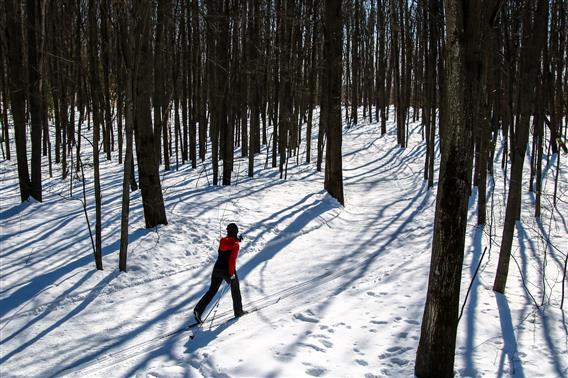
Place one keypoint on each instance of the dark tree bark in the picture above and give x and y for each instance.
(435, 355)
(489, 10)
(431, 11)
(17, 90)
(534, 32)
(186, 76)
(215, 81)
(383, 95)
(312, 77)
(4, 95)
(331, 98)
(105, 98)
(356, 61)
(33, 26)
(226, 125)
(200, 89)
(97, 121)
(253, 31)
(129, 43)
(145, 138)
(285, 15)
(158, 98)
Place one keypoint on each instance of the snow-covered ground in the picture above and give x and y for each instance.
(339, 291)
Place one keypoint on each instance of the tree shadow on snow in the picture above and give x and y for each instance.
(509, 348)
(90, 298)
(44, 281)
(118, 349)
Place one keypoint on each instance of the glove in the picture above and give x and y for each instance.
(240, 238)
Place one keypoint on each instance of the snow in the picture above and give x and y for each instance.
(339, 291)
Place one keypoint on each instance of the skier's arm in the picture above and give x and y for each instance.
(233, 259)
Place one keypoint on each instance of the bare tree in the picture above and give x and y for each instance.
(134, 23)
(534, 32)
(145, 136)
(97, 120)
(34, 35)
(331, 98)
(436, 349)
(17, 90)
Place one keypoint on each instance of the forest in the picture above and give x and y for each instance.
(156, 86)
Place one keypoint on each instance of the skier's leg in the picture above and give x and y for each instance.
(236, 294)
(204, 301)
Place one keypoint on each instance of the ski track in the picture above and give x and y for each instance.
(342, 290)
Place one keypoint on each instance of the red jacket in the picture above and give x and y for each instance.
(228, 252)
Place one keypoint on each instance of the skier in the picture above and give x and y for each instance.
(224, 270)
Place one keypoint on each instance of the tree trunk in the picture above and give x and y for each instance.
(533, 38)
(4, 101)
(17, 91)
(145, 138)
(105, 92)
(331, 98)
(226, 125)
(33, 23)
(286, 11)
(435, 355)
(129, 41)
(254, 134)
(95, 95)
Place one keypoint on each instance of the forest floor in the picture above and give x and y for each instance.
(340, 291)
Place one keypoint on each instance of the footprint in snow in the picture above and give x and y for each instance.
(326, 343)
(316, 371)
(395, 351)
(311, 346)
(286, 357)
(306, 318)
(399, 361)
(378, 322)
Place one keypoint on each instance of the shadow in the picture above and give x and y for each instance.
(565, 326)
(554, 353)
(304, 210)
(523, 239)
(164, 350)
(204, 335)
(43, 281)
(470, 369)
(509, 350)
(62, 221)
(353, 266)
(116, 350)
(16, 209)
(94, 294)
(50, 307)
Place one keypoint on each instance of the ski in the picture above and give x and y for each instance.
(195, 325)
(192, 325)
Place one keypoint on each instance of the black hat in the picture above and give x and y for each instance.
(232, 230)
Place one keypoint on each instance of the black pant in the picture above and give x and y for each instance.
(217, 277)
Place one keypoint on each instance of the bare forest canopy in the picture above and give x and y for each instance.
(170, 82)
(226, 71)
